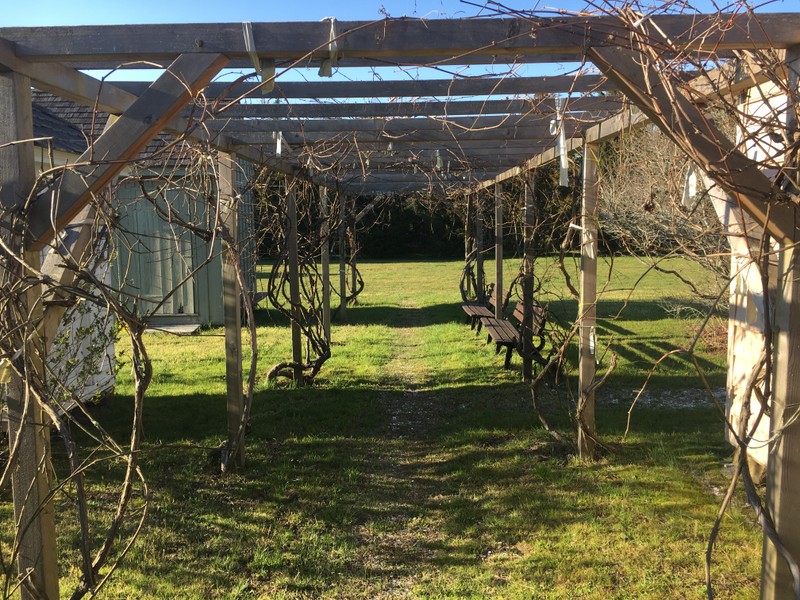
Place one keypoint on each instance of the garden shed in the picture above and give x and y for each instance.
(460, 137)
(151, 258)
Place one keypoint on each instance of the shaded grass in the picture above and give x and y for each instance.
(415, 468)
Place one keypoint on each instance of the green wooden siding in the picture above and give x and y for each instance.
(155, 257)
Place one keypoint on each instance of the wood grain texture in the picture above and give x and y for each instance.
(121, 142)
(232, 310)
(587, 306)
(466, 40)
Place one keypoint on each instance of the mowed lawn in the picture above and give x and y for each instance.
(416, 467)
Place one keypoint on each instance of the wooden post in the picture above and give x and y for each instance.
(469, 241)
(783, 483)
(325, 260)
(294, 287)
(231, 302)
(34, 514)
(527, 280)
(353, 250)
(343, 258)
(498, 250)
(588, 303)
(783, 468)
(480, 277)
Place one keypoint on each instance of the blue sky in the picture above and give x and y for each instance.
(90, 12)
(93, 12)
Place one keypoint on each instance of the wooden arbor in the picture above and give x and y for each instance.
(442, 137)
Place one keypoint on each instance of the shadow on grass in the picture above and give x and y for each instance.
(391, 316)
(343, 486)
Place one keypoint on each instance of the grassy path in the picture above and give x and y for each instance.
(409, 533)
(413, 468)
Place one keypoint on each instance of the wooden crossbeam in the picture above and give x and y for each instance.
(398, 188)
(451, 108)
(347, 62)
(533, 135)
(454, 124)
(602, 131)
(406, 88)
(684, 123)
(384, 159)
(465, 40)
(402, 148)
(67, 82)
(121, 142)
(384, 176)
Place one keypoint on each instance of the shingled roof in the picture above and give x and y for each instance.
(63, 134)
(71, 125)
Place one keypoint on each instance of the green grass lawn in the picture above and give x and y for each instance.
(415, 466)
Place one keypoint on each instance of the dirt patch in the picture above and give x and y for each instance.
(669, 398)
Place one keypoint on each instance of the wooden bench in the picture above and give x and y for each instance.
(478, 310)
(506, 334)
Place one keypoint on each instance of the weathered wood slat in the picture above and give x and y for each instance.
(387, 176)
(294, 287)
(498, 246)
(698, 137)
(122, 142)
(454, 148)
(231, 301)
(419, 108)
(34, 517)
(67, 82)
(467, 40)
(587, 309)
(406, 88)
(325, 261)
(783, 469)
(529, 229)
(532, 135)
(394, 125)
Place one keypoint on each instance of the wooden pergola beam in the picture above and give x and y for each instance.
(783, 483)
(421, 108)
(684, 123)
(357, 189)
(406, 88)
(528, 283)
(395, 125)
(451, 147)
(404, 177)
(532, 135)
(467, 41)
(67, 82)
(602, 131)
(121, 143)
(460, 172)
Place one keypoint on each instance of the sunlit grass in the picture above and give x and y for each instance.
(415, 466)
